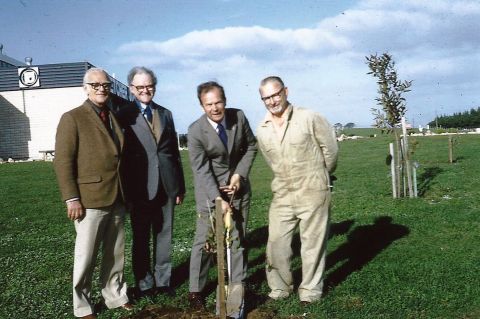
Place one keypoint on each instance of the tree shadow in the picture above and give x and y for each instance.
(336, 229)
(363, 245)
(425, 179)
(258, 239)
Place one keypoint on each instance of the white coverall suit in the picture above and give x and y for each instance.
(302, 161)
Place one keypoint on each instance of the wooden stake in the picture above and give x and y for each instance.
(415, 190)
(393, 171)
(406, 158)
(220, 237)
(450, 149)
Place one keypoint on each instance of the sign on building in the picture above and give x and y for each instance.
(28, 77)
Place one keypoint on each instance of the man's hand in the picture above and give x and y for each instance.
(225, 206)
(75, 210)
(179, 199)
(234, 185)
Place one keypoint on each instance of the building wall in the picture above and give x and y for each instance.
(29, 119)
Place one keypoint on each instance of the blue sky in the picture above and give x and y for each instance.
(317, 47)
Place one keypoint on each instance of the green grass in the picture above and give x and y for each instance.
(404, 258)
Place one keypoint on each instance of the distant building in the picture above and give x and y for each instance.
(32, 100)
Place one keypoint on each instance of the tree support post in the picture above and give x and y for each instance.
(220, 237)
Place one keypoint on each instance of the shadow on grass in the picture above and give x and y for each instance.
(180, 274)
(425, 179)
(258, 239)
(363, 244)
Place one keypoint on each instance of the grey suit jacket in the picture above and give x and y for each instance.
(212, 164)
(151, 164)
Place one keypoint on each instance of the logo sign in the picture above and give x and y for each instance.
(28, 77)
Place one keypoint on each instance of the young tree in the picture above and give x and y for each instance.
(390, 90)
(393, 108)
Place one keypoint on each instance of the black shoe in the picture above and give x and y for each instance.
(145, 293)
(165, 290)
(196, 300)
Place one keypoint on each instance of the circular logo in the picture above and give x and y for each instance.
(29, 77)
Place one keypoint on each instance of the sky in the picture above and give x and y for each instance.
(318, 47)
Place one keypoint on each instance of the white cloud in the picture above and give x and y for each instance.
(324, 65)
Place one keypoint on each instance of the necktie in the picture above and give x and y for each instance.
(222, 134)
(106, 120)
(148, 113)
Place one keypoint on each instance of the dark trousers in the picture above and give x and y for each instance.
(152, 219)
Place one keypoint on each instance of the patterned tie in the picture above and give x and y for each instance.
(148, 113)
(222, 134)
(106, 120)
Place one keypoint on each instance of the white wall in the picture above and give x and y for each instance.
(29, 119)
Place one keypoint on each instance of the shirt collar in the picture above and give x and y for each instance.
(285, 115)
(141, 105)
(96, 108)
(215, 124)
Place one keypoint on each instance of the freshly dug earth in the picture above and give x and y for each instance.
(156, 312)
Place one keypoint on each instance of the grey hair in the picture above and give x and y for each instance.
(140, 70)
(93, 70)
(275, 79)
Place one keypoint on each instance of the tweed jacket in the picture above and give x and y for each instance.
(87, 158)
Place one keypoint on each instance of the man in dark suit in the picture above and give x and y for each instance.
(154, 181)
(87, 159)
(222, 148)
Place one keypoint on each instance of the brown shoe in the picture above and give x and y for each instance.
(127, 306)
(196, 301)
(90, 316)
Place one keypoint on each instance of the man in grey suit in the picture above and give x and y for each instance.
(154, 181)
(222, 148)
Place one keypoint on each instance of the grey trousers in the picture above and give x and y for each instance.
(154, 222)
(200, 261)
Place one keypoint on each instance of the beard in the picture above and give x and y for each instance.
(276, 110)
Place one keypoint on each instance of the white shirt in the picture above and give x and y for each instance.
(215, 124)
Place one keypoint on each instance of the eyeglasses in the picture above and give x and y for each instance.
(150, 87)
(276, 97)
(96, 86)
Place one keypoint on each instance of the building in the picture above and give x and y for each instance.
(32, 100)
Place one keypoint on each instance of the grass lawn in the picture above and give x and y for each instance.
(405, 258)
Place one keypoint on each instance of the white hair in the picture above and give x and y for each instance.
(93, 70)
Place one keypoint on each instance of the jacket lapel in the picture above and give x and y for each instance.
(211, 134)
(98, 122)
(118, 132)
(96, 118)
(159, 122)
(231, 132)
(143, 132)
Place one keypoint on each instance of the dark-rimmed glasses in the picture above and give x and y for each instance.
(276, 96)
(150, 87)
(96, 86)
